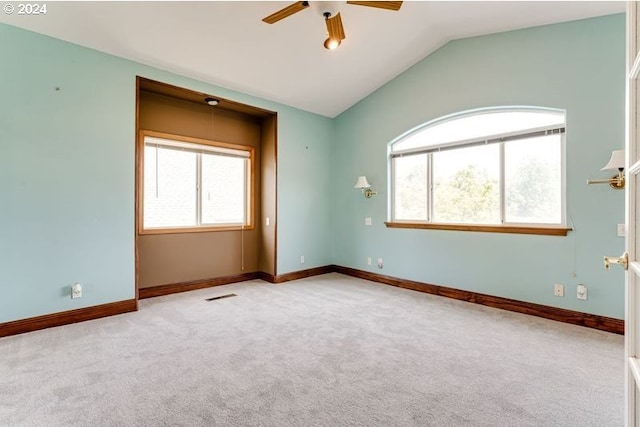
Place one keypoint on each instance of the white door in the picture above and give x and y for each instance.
(632, 277)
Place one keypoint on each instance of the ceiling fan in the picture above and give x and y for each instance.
(331, 16)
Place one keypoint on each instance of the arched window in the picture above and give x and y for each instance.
(495, 166)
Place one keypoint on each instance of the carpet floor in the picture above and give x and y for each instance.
(330, 350)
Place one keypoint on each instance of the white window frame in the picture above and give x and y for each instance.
(500, 139)
(199, 147)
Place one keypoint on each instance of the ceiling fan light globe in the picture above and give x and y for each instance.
(331, 44)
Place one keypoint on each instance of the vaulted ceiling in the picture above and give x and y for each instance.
(227, 44)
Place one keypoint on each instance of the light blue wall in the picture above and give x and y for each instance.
(577, 66)
(67, 169)
(67, 175)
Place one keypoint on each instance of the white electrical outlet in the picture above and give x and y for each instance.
(581, 292)
(622, 231)
(380, 263)
(76, 290)
(368, 260)
(301, 259)
(367, 221)
(558, 290)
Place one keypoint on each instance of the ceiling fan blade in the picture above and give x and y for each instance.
(389, 5)
(287, 11)
(335, 28)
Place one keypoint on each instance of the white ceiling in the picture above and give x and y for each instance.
(227, 44)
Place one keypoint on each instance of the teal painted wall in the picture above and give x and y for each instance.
(576, 66)
(67, 169)
(67, 175)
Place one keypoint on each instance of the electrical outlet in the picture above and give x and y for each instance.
(581, 292)
(301, 259)
(367, 221)
(558, 290)
(380, 263)
(622, 231)
(76, 291)
(368, 260)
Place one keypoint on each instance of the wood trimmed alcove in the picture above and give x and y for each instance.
(169, 260)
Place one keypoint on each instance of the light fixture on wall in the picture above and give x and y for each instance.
(363, 184)
(616, 162)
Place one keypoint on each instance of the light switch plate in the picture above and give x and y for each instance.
(581, 292)
(76, 291)
(622, 231)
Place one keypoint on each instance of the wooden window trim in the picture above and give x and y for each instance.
(195, 229)
(510, 229)
(501, 139)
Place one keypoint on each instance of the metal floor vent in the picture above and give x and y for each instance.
(220, 297)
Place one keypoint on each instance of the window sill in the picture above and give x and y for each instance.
(193, 229)
(545, 231)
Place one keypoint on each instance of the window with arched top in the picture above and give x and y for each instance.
(494, 167)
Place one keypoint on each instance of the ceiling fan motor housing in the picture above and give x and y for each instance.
(324, 7)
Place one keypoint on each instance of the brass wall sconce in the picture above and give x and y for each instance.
(616, 162)
(363, 184)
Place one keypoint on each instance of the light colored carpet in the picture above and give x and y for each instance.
(325, 351)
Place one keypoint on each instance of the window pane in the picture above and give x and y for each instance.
(533, 184)
(479, 125)
(172, 202)
(410, 187)
(223, 189)
(466, 185)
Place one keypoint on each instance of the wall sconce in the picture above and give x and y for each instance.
(615, 162)
(363, 184)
